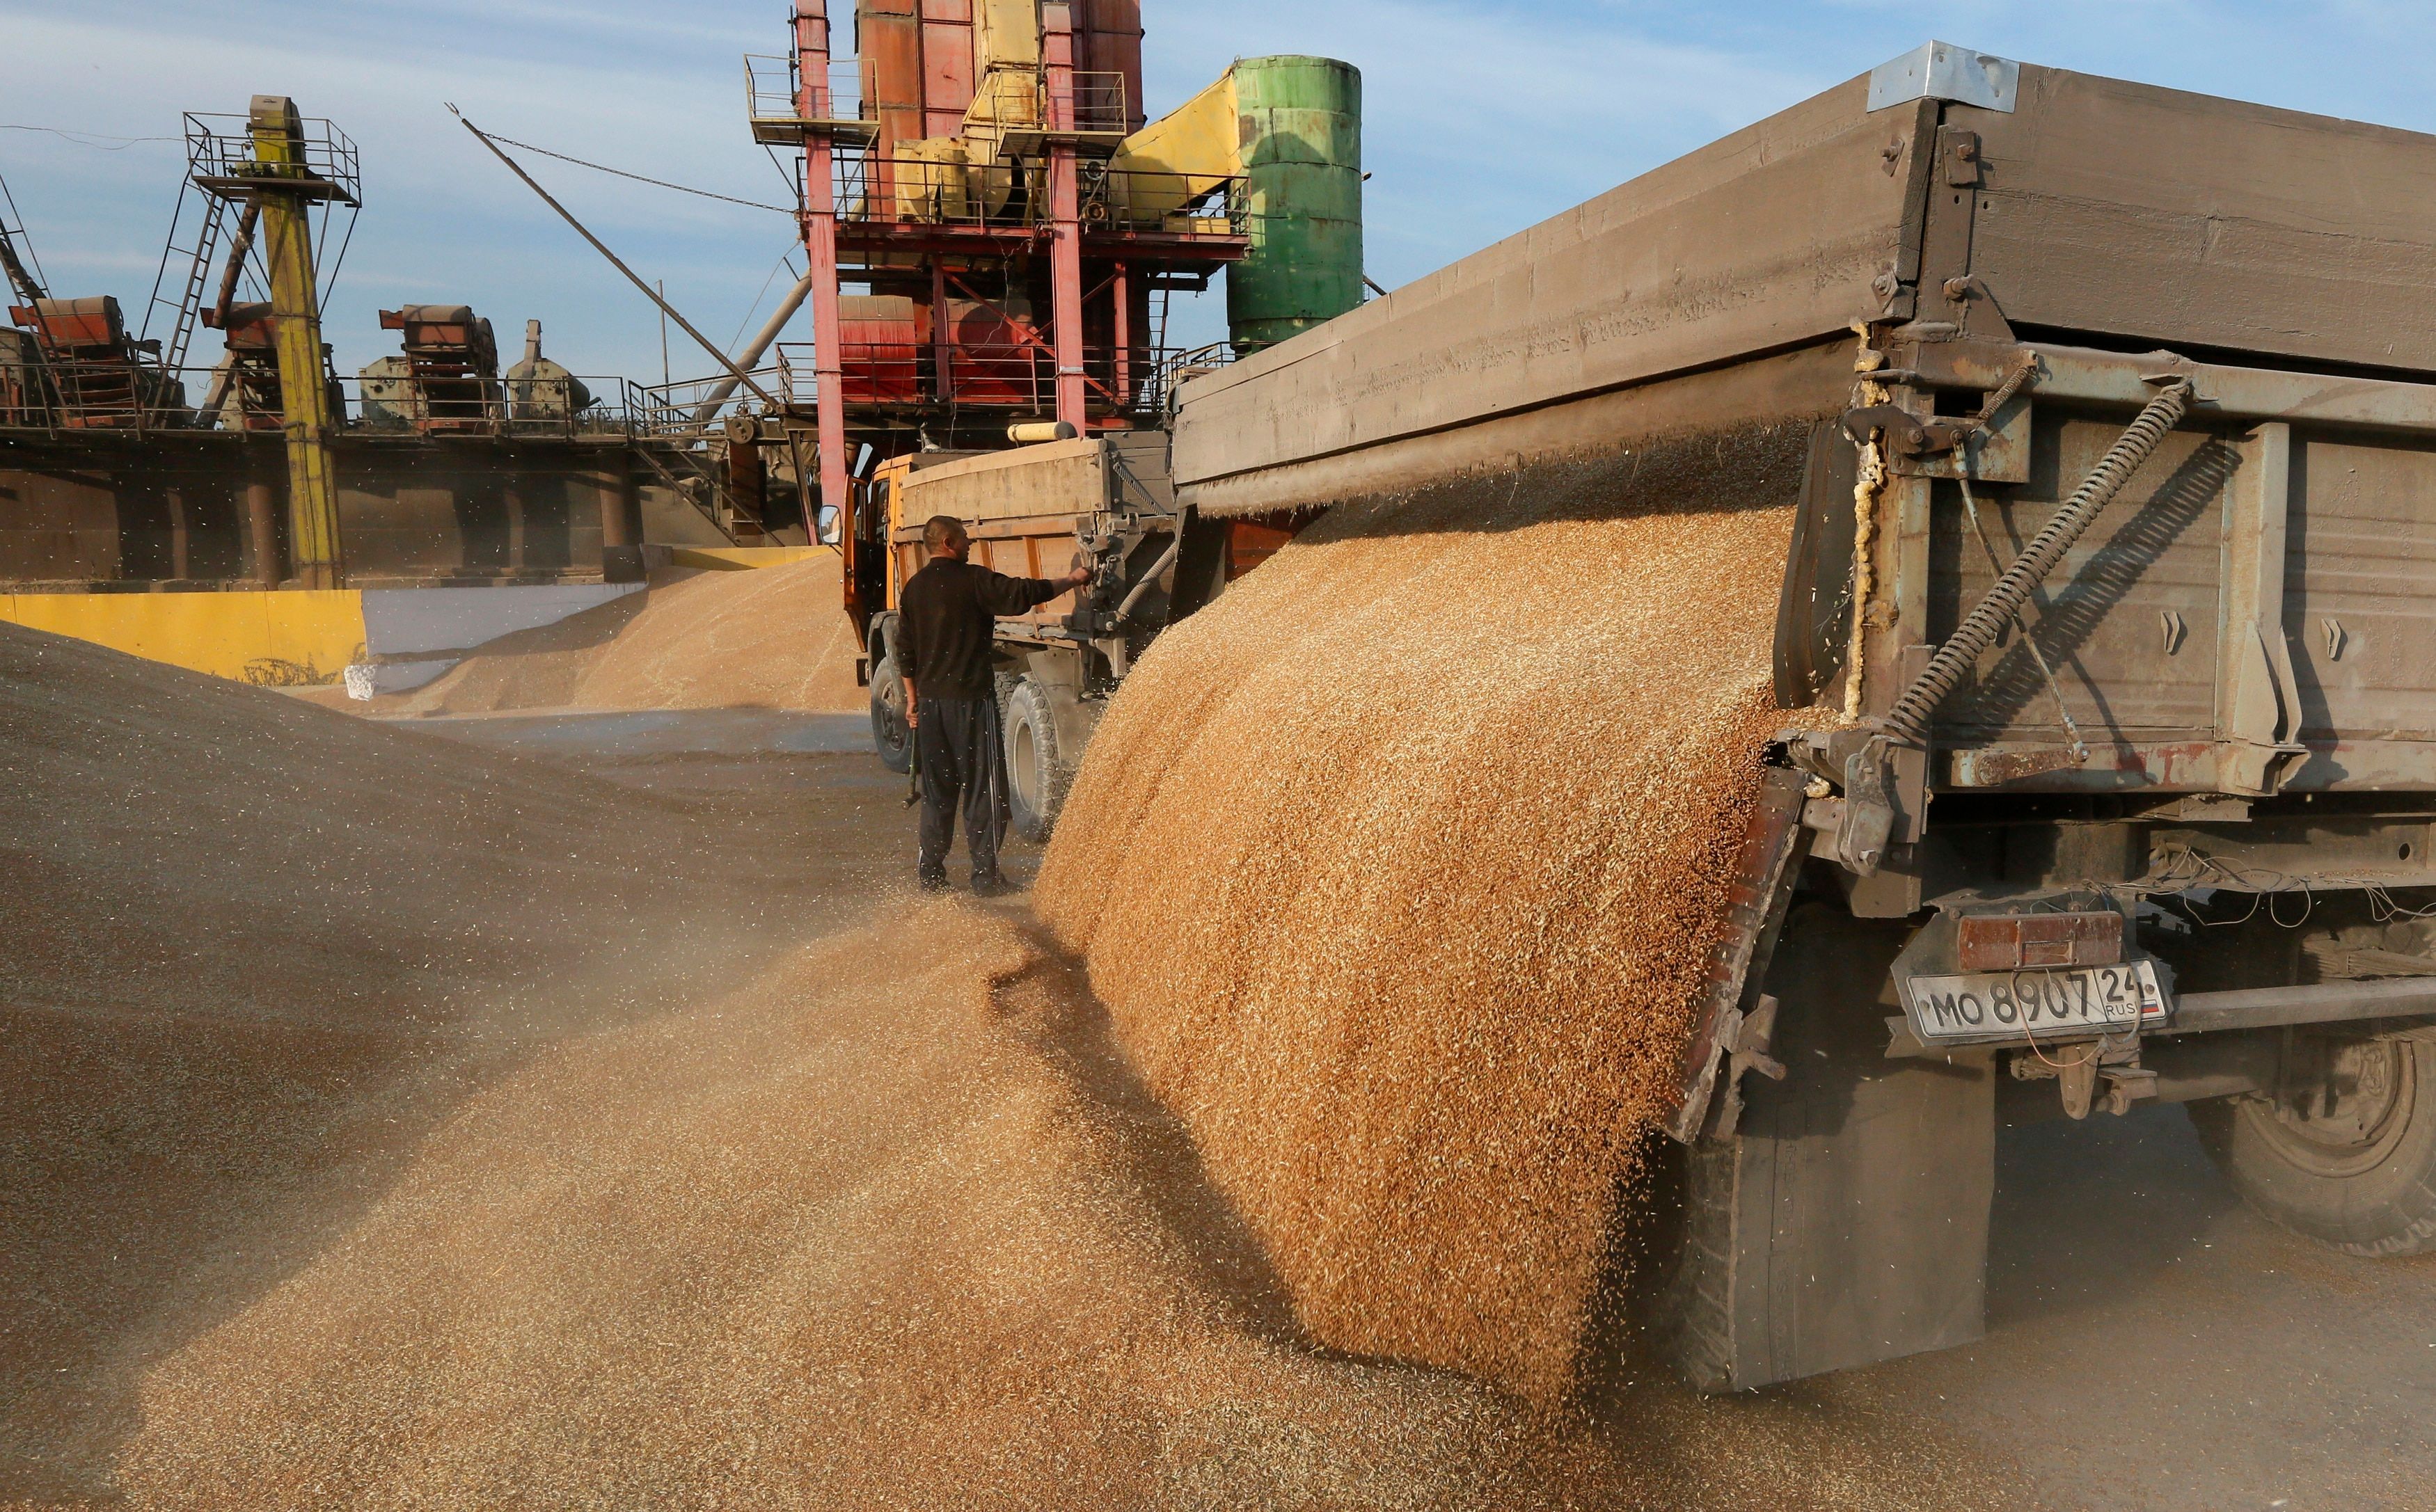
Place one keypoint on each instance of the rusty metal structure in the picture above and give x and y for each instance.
(960, 167)
(128, 466)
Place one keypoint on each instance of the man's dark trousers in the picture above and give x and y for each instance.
(962, 757)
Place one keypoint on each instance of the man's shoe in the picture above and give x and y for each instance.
(992, 887)
(935, 884)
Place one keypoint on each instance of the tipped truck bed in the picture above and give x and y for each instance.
(2236, 700)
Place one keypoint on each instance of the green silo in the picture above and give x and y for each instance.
(1301, 125)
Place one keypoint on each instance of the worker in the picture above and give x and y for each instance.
(947, 620)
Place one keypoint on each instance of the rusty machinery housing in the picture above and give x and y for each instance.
(445, 472)
(124, 469)
(2114, 547)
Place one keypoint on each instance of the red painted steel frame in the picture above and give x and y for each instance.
(1065, 212)
(820, 247)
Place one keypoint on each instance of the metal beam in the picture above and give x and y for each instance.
(821, 259)
(2230, 392)
(2204, 1013)
(316, 558)
(1065, 212)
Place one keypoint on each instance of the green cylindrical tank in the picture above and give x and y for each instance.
(1300, 120)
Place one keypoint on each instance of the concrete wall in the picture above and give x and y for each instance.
(170, 506)
(412, 636)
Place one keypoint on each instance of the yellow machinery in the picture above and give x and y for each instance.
(281, 171)
(286, 188)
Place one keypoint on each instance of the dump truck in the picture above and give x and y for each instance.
(1037, 511)
(2111, 412)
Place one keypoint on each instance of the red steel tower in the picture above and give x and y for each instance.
(974, 169)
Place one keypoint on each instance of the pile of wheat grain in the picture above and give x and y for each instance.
(1399, 867)
(395, 1124)
(771, 637)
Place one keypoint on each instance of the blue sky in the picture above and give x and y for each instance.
(1481, 118)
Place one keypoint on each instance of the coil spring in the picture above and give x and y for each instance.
(1908, 722)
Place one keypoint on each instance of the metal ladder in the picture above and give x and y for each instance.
(703, 491)
(200, 260)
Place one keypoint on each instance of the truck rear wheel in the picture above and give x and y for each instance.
(889, 735)
(2346, 1156)
(1035, 766)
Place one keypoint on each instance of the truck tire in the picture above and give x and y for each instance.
(889, 735)
(2353, 1166)
(1038, 773)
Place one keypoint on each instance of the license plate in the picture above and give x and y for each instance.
(1999, 1005)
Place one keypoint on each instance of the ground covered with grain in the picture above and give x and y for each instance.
(771, 638)
(398, 1123)
(1400, 865)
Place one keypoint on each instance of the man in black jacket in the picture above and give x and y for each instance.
(947, 619)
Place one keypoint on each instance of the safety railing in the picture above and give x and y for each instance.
(691, 408)
(1017, 376)
(221, 156)
(38, 393)
(774, 103)
(1189, 363)
(1015, 104)
(910, 189)
(550, 405)
(57, 395)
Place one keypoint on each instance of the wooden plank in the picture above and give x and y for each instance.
(2132, 211)
(1044, 487)
(1812, 383)
(2360, 587)
(1769, 238)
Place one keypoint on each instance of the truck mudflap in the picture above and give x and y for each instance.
(1843, 1219)
(1731, 1034)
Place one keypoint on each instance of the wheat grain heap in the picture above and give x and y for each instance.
(394, 1123)
(1398, 868)
(772, 637)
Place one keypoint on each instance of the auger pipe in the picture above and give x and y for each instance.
(1908, 721)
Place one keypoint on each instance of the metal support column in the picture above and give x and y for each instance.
(1121, 291)
(820, 247)
(622, 510)
(1065, 210)
(278, 134)
(943, 376)
(261, 524)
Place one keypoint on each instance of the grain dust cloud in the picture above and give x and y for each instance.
(1398, 868)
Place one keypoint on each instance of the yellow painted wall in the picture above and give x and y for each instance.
(278, 638)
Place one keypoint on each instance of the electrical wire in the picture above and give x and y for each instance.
(99, 138)
(785, 262)
(657, 183)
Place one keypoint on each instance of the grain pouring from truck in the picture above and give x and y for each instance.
(2097, 420)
